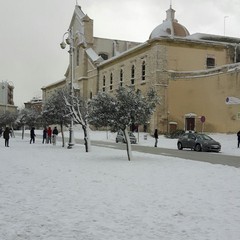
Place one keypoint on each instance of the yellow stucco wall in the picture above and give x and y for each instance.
(206, 96)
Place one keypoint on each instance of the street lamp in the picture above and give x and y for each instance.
(70, 41)
(224, 24)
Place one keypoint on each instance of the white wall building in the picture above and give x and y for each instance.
(6, 97)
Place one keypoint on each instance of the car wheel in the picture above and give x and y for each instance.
(198, 148)
(179, 145)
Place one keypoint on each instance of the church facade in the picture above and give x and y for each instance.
(193, 74)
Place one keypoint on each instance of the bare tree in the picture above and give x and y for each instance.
(78, 110)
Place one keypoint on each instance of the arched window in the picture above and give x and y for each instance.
(78, 56)
(104, 83)
(143, 70)
(132, 75)
(121, 77)
(111, 81)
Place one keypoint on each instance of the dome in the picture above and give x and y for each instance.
(169, 27)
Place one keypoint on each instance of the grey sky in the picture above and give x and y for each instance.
(30, 55)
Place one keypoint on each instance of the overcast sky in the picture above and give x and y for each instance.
(30, 55)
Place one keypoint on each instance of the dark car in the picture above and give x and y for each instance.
(121, 138)
(198, 142)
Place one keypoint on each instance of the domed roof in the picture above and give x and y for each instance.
(169, 27)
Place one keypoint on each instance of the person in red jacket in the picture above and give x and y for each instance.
(49, 135)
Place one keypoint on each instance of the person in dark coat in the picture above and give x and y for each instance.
(6, 136)
(32, 135)
(156, 137)
(238, 135)
(55, 133)
(44, 135)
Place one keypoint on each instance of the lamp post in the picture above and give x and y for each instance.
(70, 41)
(224, 24)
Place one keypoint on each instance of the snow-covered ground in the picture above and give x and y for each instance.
(52, 193)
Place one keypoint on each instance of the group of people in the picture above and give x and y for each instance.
(49, 135)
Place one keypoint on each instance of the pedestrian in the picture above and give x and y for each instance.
(49, 135)
(6, 136)
(156, 137)
(44, 135)
(238, 135)
(55, 133)
(32, 135)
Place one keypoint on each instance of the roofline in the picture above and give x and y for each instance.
(55, 83)
(123, 54)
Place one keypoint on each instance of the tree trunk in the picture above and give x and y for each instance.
(128, 144)
(63, 140)
(86, 138)
(23, 128)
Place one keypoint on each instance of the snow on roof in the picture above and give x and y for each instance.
(54, 83)
(93, 55)
(213, 38)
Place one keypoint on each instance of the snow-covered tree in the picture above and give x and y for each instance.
(78, 108)
(29, 117)
(120, 111)
(55, 111)
(8, 118)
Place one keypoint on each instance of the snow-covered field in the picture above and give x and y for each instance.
(53, 193)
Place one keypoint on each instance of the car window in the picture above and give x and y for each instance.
(131, 134)
(206, 137)
(184, 136)
(191, 136)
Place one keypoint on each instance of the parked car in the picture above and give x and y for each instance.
(121, 138)
(198, 142)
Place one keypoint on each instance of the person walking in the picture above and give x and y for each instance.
(156, 137)
(32, 135)
(6, 136)
(238, 135)
(44, 135)
(49, 135)
(55, 133)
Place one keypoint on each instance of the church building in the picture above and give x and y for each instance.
(195, 75)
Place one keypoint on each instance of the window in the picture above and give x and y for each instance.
(104, 83)
(121, 77)
(78, 56)
(143, 70)
(132, 75)
(210, 62)
(238, 116)
(111, 81)
(104, 56)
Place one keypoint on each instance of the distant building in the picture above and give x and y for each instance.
(192, 73)
(6, 97)
(35, 103)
